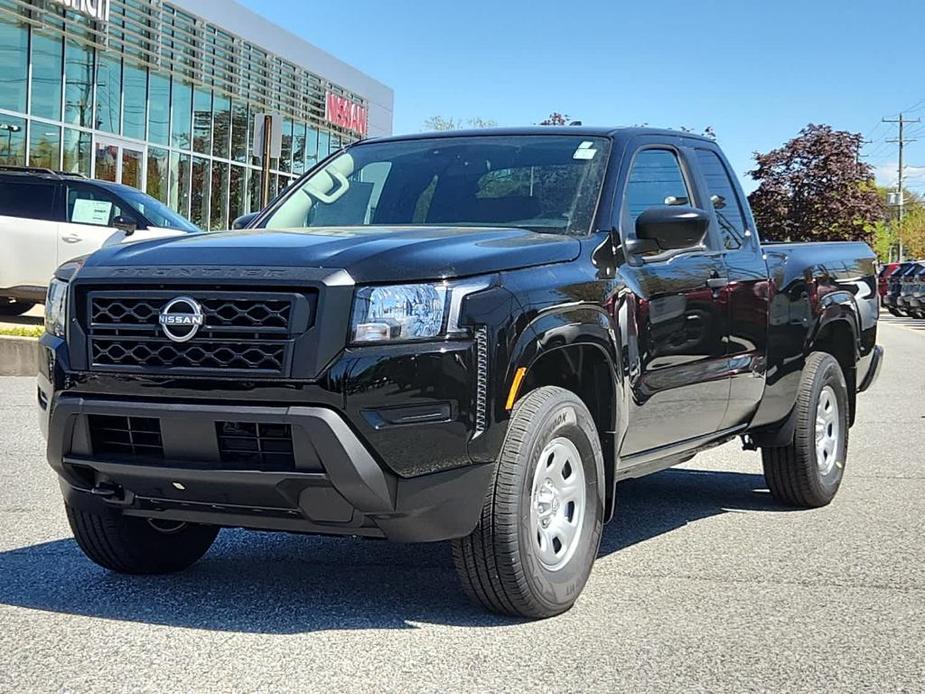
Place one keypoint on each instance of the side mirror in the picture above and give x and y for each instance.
(244, 220)
(667, 228)
(125, 224)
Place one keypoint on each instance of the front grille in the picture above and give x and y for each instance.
(199, 355)
(241, 332)
(132, 436)
(255, 445)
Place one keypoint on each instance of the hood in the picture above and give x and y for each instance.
(369, 254)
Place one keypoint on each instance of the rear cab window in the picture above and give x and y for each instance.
(727, 207)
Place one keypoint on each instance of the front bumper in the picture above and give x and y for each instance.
(334, 486)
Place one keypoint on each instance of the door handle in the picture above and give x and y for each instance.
(72, 239)
(717, 282)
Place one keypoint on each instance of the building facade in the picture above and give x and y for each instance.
(163, 96)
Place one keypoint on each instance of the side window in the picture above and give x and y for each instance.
(27, 200)
(722, 192)
(87, 205)
(655, 179)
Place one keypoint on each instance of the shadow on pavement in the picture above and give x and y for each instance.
(276, 583)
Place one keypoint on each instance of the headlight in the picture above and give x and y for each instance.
(409, 311)
(56, 308)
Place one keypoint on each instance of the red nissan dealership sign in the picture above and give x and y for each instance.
(341, 111)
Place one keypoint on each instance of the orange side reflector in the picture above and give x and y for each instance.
(515, 386)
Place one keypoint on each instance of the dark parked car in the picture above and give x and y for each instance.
(883, 278)
(910, 294)
(464, 336)
(894, 287)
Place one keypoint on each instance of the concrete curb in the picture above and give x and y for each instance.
(19, 356)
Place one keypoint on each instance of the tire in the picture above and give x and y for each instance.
(13, 307)
(797, 475)
(894, 311)
(131, 545)
(501, 564)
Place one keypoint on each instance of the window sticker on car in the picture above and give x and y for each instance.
(585, 151)
(91, 211)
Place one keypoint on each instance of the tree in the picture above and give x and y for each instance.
(556, 118)
(816, 188)
(442, 123)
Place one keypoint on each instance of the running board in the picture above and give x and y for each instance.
(655, 459)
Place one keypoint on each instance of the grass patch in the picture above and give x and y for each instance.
(24, 331)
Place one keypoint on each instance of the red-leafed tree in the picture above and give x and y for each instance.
(815, 188)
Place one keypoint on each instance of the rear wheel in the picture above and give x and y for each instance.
(13, 307)
(541, 522)
(808, 471)
(138, 545)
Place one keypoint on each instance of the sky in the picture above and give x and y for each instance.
(755, 71)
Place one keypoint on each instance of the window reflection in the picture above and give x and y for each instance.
(44, 145)
(156, 185)
(47, 54)
(12, 140)
(108, 93)
(159, 108)
(14, 57)
(218, 215)
(181, 106)
(202, 121)
(199, 193)
(136, 90)
(76, 150)
(78, 84)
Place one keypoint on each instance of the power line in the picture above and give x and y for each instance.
(901, 141)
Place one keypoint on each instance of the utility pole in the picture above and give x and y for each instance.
(901, 141)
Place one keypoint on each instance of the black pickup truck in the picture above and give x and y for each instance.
(469, 336)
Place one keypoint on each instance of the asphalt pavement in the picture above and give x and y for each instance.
(703, 584)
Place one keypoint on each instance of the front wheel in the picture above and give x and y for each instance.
(130, 545)
(807, 472)
(540, 529)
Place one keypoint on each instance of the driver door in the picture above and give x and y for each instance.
(679, 367)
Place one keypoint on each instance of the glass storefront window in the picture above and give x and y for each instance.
(12, 140)
(47, 54)
(285, 159)
(237, 193)
(44, 145)
(14, 54)
(199, 194)
(156, 184)
(78, 84)
(218, 200)
(181, 107)
(311, 148)
(179, 179)
(202, 121)
(324, 145)
(76, 152)
(136, 96)
(158, 108)
(240, 127)
(253, 202)
(108, 93)
(221, 127)
(298, 148)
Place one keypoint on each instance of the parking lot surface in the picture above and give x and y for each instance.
(703, 584)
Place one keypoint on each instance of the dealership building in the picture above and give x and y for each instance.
(163, 96)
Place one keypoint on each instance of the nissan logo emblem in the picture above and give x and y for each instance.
(181, 318)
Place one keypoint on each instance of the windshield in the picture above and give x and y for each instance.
(156, 212)
(537, 182)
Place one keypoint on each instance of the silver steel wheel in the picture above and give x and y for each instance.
(557, 503)
(828, 430)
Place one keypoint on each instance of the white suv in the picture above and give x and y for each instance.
(48, 218)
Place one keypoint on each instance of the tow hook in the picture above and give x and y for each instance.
(112, 493)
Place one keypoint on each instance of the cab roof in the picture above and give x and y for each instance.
(578, 130)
